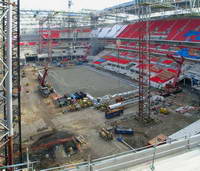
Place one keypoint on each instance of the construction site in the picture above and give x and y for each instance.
(111, 89)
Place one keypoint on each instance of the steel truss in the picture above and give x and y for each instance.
(144, 61)
(10, 135)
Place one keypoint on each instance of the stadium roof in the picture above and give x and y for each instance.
(156, 6)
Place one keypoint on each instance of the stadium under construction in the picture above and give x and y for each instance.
(100, 90)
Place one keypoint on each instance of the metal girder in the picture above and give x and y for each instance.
(170, 42)
(6, 130)
(132, 7)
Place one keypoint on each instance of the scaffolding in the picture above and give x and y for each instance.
(10, 61)
(144, 61)
(45, 23)
(69, 29)
(10, 79)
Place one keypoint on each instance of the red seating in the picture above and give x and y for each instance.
(166, 24)
(191, 25)
(176, 29)
(173, 29)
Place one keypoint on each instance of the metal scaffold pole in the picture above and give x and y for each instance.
(9, 66)
(9, 108)
(19, 79)
(4, 67)
(49, 40)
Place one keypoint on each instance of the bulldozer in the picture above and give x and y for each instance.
(105, 134)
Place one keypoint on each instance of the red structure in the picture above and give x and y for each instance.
(179, 66)
(144, 59)
(42, 77)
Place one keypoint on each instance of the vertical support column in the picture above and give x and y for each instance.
(144, 60)
(40, 39)
(9, 109)
(141, 69)
(148, 34)
(19, 79)
(49, 59)
(4, 27)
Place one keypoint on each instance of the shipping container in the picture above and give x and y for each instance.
(113, 113)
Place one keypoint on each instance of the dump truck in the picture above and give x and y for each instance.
(114, 113)
(124, 130)
(105, 134)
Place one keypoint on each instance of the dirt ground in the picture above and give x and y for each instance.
(40, 115)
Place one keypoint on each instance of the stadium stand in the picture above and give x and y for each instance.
(162, 70)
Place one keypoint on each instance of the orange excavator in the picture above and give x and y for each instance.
(173, 87)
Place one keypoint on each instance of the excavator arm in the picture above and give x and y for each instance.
(42, 77)
(179, 62)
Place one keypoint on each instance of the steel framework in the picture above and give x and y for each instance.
(10, 79)
(144, 61)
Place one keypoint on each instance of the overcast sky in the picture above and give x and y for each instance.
(62, 4)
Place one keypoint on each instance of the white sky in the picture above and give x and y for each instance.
(62, 4)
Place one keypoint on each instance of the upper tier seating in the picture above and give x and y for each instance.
(173, 29)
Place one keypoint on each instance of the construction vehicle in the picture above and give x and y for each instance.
(102, 107)
(105, 134)
(73, 107)
(85, 102)
(63, 101)
(42, 77)
(78, 95)
(123, 130)
(164, 111)
(44, 89)
(173, 88)
(114, 112)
